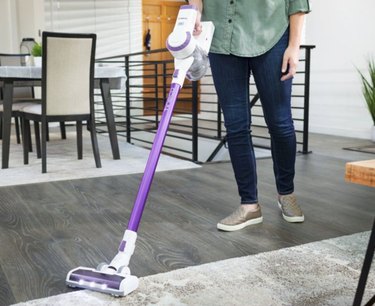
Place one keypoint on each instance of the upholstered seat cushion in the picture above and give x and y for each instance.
(19, 106)
(32, 109)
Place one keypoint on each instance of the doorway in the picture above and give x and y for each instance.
(159, 18)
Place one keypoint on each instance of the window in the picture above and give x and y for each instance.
(117, 23)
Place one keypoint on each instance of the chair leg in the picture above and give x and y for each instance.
(29, 140)
(37, 139)
(25, 141)
(1, 127)
(94, 142)
(44, 146)
(16, 122)
(22, 127)
(79, 138)
(62, 130)
(47, 132)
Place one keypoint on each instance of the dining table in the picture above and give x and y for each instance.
(363, 173)
(105, 78)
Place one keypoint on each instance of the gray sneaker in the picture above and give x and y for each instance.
(290, 209)
(239, 219)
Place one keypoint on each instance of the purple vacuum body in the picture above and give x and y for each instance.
(153, 159)
(115, 278)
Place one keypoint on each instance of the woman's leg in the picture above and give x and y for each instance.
(231, 78)
(275, 96)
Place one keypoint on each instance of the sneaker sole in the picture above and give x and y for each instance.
(232, 228)
(296, 219)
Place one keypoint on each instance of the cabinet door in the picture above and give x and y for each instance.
(159, 17)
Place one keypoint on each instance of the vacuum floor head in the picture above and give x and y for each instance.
(92, 279)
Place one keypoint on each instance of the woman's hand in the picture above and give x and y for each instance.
(291, 54)
(198, 24)
(290, 62)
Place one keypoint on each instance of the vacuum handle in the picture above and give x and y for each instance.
(153, 158)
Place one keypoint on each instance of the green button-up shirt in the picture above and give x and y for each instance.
(249, 27)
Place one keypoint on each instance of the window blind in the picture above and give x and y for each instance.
(117, 23)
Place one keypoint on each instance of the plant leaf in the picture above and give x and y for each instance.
(368, 88)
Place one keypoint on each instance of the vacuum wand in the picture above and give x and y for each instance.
(153, 159)
(191, 61)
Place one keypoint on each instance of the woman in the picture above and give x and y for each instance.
(261, 37)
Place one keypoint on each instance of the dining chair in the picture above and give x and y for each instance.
(67, 90)
(22, 95)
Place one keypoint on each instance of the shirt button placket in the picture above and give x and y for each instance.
(229, 26)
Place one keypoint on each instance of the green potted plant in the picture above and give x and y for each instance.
(368, 90)
(36, 52)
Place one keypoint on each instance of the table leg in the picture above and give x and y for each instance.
(7, 117)
(108, 109)
(365, 268)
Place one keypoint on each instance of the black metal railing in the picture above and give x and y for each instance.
(197, 124)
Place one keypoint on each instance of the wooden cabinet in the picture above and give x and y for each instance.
(159, 17)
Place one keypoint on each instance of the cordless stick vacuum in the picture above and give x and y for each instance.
(191, 61)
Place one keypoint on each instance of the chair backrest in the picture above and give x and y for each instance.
(19, 93)
(68, 73)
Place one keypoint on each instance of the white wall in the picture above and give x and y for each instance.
(8, 28)
(30, 19)
(343, 32)
(135, 26)
(19, 19)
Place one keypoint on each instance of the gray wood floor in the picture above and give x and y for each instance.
(47, 229)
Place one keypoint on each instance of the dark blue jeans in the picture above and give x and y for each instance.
(231, 78)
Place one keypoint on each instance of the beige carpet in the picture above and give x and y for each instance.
(62, 162)
(318, 273)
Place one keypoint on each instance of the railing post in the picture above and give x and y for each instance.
(194, 118)
(156, 88)
(218, 120)
(164, 81)
(127, 98)
(305, 145)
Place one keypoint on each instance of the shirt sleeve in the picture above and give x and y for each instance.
(296, 6)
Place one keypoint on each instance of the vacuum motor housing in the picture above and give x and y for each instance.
(182, 44)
